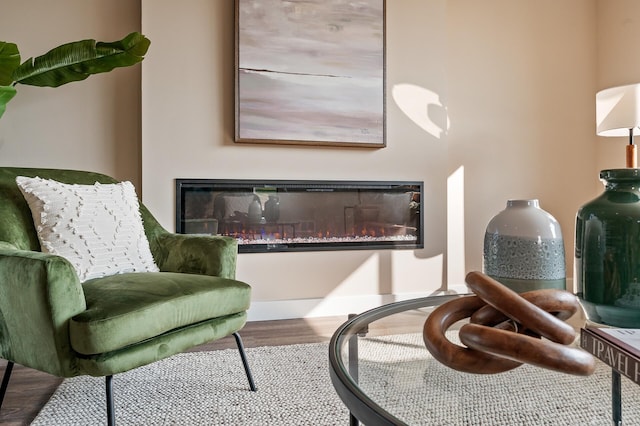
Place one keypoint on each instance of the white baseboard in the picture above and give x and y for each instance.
(328, 307)
(339, 306)
(459, 289)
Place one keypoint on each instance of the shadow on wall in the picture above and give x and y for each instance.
(382, 270)
(425, 108)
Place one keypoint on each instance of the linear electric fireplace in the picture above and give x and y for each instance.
(277, 216)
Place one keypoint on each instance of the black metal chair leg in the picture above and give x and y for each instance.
(245, 363)
(111, 414)
(5, 381)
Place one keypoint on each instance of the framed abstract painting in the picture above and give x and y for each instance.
(310, 73)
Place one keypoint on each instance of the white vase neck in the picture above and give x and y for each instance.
(523, 203)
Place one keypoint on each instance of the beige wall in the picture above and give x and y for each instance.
(618, 32)
(521, 83)
(188, 113)
(90, 125)
(517, 78)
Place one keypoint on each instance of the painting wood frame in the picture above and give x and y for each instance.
(310, 73)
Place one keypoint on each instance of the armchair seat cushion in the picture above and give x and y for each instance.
(128, 308)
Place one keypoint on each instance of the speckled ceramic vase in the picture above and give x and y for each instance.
(607, 254)
(524, 249)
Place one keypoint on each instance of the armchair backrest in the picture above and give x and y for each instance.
(16, 222)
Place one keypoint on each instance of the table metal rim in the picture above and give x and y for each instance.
(358, 403)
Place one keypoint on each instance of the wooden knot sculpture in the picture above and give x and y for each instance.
(505, 330)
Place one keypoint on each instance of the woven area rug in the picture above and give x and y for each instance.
(210, 388)
(433, 394)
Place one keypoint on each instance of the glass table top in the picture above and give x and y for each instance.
(382, 371)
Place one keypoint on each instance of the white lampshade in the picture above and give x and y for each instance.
(618, 110)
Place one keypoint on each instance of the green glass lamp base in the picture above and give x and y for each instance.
(614, 316)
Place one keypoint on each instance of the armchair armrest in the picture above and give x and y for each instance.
(196, 254)
(39, 293)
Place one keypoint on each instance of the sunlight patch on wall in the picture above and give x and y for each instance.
(456, 269)
(423, 107)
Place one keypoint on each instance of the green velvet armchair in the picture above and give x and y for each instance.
(52, 322)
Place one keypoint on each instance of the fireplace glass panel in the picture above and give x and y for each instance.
(277, 216)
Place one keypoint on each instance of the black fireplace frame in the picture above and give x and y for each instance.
(250, 185)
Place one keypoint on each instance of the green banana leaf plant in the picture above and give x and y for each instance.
(66, 63)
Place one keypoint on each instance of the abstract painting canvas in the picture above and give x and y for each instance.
(310, 72)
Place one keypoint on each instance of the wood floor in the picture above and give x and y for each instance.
(29, 389)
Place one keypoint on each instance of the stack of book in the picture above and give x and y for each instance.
(617, 347)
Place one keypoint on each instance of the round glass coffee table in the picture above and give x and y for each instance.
(382, 371)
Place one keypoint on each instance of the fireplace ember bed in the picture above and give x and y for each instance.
(279, 215)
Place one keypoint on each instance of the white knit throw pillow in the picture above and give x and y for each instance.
(98, 227)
